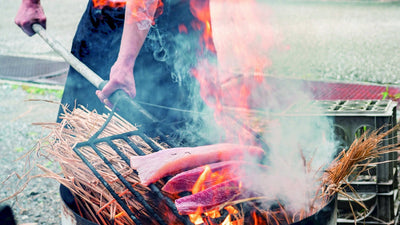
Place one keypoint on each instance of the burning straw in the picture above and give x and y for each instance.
(97, 204)
(94, 201)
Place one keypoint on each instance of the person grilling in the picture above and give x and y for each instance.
(147, 48)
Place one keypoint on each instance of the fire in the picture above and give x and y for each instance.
(110, 3)
(239, 33)
(201, 10)
(243, 36)
(142, 12)
(216, 177)
(255, 217)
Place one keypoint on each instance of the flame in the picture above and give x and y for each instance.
(239, 33)
(216, 177)
(199, 185)
(143, 12)
(255, 217)
(201, 10)
(110, 3)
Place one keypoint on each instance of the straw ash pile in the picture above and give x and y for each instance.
(97, 204)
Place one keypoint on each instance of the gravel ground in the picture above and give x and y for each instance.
(39, 202)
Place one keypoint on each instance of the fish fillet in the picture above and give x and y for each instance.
(210, 198)
(155, 166)
(221, 171)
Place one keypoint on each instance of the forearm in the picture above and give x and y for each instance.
(138, 18)
(131, 43)
(136, 27)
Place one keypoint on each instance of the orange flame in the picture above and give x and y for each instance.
(201, 10)
(241, 37)
(110, 3)
(216, 177)
(255, 217)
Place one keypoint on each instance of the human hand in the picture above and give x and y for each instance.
(121, 77)
(28, 14)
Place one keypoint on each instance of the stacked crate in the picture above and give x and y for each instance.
(377, 189)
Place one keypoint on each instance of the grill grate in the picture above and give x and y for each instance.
(94, 141)
(147, 135)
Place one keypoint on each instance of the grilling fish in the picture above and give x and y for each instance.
(155, 166)
(221, 171)
(210, 198)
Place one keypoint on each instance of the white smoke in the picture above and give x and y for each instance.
(300, 147)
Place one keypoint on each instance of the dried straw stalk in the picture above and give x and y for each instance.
(362, 152)
(78, 126)
(349, 164)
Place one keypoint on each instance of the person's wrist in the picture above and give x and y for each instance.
(127, 61)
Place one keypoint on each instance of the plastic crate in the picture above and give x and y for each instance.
(350, 119)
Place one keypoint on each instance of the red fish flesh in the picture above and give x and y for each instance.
(155, 166)
(222, 171)
(210, 198)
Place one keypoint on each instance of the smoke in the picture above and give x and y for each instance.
(299, 146)
(243, 36)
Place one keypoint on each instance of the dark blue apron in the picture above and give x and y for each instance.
(162, 70)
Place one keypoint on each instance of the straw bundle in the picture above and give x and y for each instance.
(360, 154)
(95, 201)
(349, 164)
